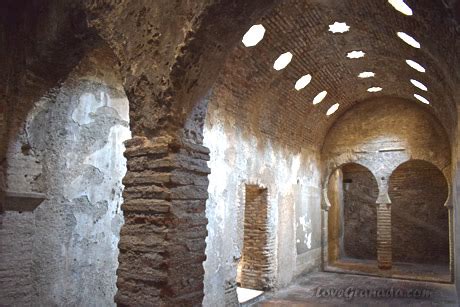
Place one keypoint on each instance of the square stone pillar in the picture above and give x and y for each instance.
(162, 243)
(384, 256)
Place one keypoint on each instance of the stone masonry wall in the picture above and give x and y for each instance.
(418, 192)
(257, 263)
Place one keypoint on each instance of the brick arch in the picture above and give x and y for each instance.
(423, 159)
(352, 218)
(168, 100)
(340, 164)
(418, 209)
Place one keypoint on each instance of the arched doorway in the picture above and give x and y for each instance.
(420, 221)
(352, 218)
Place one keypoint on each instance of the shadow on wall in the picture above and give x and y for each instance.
(352, 217)
(65, 252)
(420, 221)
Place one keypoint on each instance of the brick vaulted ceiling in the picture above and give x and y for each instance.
(266, 99)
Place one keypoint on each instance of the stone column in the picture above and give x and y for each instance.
(384, 257)
(162, 243)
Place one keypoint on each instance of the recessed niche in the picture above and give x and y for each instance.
(254, 35)
(282, 61)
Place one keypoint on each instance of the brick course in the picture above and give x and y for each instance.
(257, 263)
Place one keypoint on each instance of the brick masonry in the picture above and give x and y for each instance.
(174, 52)
(418, 192)
(384, 240)
(165, 223)
(381, 135)
(256, 268)
(360, 212)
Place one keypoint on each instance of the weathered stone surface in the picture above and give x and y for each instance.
(169, 54)
(381, 135)
(418, 211)
(70, 149)
(160, 196)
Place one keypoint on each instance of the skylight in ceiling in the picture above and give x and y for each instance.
(415, 66)
(339, 27)
(419, 85)
(303, 82)
(355, 54)
(401, 6)
(282, 61)
(366, 74)
(319, 97)
(374, 89)
(254, 35)
(422, 99)
(408, 39)
(332, 109)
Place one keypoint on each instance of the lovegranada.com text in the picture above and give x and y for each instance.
(382, 293)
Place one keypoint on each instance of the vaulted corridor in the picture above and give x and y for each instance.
(220, 152)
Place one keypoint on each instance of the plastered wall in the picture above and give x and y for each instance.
(70, 148)
(292, 180)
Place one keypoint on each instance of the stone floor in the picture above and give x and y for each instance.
(400, 270)
(336, 289)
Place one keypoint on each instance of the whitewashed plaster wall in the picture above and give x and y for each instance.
(293, 182)
(70, 149)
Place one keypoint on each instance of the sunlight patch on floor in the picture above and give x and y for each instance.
(245, 295)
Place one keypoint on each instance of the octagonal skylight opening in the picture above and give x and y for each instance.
(283, 61)
(401, 6)
(374, 89)
(356, 54)
(422, 99)
(419, 85)
(303, 82)
(415, 66)
(332, 109)
(320, 97)
(366, 74)
(339, 27)
(408, 39)
(254, 35)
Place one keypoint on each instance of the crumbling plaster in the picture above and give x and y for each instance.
(292, 179)
(71, 149)
(151, 91)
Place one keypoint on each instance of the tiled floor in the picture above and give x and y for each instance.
(324, 289)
